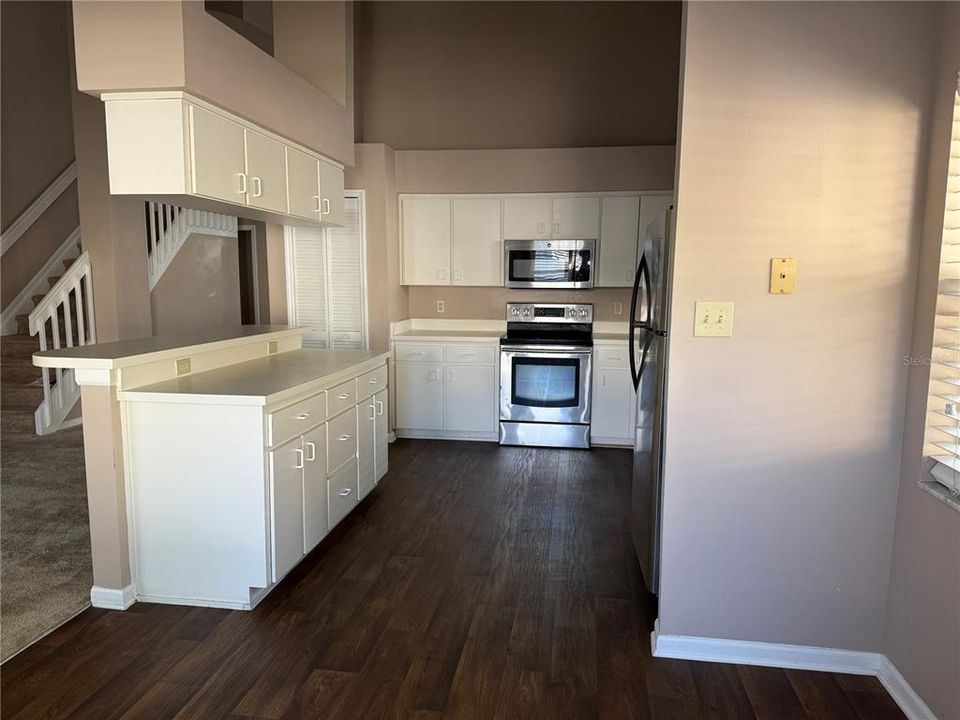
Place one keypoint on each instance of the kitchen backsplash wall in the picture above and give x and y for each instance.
(486, 303)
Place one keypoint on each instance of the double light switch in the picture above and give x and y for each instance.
(713, 319)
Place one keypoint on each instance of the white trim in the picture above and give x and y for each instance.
(29, 216)
(95, 376)
(361, 195)
(112, 598)
(469, 435)
(391, 437)
(743, 652)
(207, 602)
(901, 692)
(22, 304)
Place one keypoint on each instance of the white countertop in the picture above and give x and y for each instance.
(264, 381)
(449, 334)
(113, 355)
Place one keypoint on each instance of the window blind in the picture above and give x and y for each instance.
(328, 291)
(942, 437)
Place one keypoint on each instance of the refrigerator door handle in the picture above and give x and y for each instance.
(643, 273)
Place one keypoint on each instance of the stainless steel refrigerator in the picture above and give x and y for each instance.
(649, 315)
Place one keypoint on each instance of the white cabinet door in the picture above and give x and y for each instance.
(577, 218)
(366, 446)
(217, 156)
(652, 209)
(286, 506)
(470, 397)
(380, 435)
(619, 227)
(477, 248)
(266, 172)
(314, 488)
(331, 192)
(419, 396)
(303, 184)
(611, 416)
(526, 218)
(425, 227)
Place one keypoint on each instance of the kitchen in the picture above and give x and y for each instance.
(491, 498)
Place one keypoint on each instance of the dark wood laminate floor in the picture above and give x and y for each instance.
(476, 582)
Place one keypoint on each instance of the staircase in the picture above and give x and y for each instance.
(169, 227)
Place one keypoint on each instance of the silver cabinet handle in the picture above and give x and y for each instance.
(556, 228)
(298, 463)
(433, 376)
(242, 177)
(326, 206)
(441, 274)
(457, 275)
(317, 208)
(379, 407)
(540, 228)
(374, 381)
(466, 355)
(343, 396)
(449, 375)
(373, 411)
(344, 437)
(418, 353)
(345, 492)
(257, 186)
(303, 416)
(312, 454)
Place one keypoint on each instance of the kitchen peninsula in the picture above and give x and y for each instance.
(216, 461)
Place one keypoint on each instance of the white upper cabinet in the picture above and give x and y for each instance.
(332, 209)
(652, 210)
(576, 218)
(425, 228)
(477, 250)
(182, 150)
(266, 172)
(619, 227)
(303, 185)
(218, 162)
(526, 218)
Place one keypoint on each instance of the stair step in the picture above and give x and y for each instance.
(17, 345)
(20, 394)
(18, 374)
(53, 279)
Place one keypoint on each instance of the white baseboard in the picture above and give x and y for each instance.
(391, 436)
(901, 692)
(742, 652)
(448, 435)
(112, 598)
(204, 602)
(794, 657)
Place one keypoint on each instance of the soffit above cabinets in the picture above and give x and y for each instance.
(176, 148)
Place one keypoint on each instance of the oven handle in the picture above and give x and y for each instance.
(545, 353)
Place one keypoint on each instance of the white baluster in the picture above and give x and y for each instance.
(78, 301)
(67, 319)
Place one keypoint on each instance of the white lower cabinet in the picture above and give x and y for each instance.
(371, 442)
(614, 400)
(380, 436)
(286, 505)
(342, 491)
(315, 519)
(455, 398)
(419, 396)
(469, 398)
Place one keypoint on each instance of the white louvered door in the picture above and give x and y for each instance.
(327, 291)
(942, 438)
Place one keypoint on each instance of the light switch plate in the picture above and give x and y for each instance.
(783, 275)
(183, 366)
(713, 319)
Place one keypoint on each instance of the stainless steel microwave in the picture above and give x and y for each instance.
(561, 264)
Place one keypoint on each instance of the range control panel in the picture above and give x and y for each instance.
(550, 312)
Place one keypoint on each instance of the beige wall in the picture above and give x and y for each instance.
(276, 289)
(529, 170)
(315, 40)
(177, 45)
(517, 74)
(799, 134)
(922, 634)
(200, 289)
(36, 133)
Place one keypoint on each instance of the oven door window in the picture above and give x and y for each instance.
(549, 266)
(546, 382)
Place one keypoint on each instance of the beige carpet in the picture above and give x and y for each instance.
(45, 571)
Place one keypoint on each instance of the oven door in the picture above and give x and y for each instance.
(548, 263)
(550, 386)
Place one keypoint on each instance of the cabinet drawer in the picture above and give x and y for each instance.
(342, 492)
(418, 352)
(470, 354)
(612, 357)
(292, 420)
(341, 397)
(372, 382)
(341, 439)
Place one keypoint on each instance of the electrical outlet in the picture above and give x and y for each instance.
(618, 308)
(441, 306)
(713, 319)
(271, 347)
(183, 366)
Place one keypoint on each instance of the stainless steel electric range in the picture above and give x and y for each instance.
(545, 360)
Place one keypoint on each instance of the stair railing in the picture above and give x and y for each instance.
(169, 226)
(69, 300)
